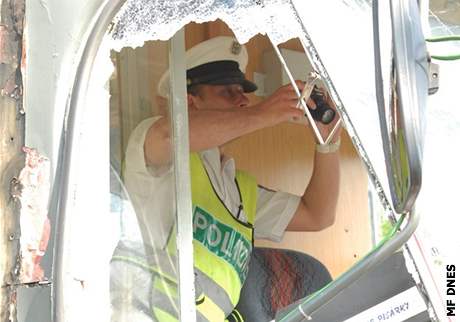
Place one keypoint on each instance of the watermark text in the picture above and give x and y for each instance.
(450, 290)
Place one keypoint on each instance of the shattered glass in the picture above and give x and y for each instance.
(344, 57)
(139, 21)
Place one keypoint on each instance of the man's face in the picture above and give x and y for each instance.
(219, 97)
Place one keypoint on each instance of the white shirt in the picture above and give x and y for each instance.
(152, 192)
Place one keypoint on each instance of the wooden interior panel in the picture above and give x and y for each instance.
(339, 246)
(281, 158)
(195, 33)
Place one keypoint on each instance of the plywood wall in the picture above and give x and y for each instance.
(281, 158)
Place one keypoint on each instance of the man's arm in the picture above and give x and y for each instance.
(213, 127)
(317, 208)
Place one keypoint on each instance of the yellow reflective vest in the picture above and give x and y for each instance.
(222, 249)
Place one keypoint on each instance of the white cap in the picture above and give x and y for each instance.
(214, 49)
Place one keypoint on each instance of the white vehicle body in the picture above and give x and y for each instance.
(60, 40)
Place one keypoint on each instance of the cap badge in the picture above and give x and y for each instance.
(236, 48)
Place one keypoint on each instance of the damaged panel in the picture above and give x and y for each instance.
(12, 138)
(34, 222)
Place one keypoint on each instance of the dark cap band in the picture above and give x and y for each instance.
(222, 72)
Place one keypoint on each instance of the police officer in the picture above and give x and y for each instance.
(229, 208)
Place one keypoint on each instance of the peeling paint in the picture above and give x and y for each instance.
(35, 226)
(12, 306)
(12, 133)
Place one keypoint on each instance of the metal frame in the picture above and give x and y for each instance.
(62, 194)
(299, 95)
(304, 95)
(408, 102)
(304, 310)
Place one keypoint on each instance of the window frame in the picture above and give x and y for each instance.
(62, 203)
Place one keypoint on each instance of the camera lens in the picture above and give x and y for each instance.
(327, 116)
(322, 113)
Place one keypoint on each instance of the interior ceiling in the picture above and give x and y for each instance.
(446, 10)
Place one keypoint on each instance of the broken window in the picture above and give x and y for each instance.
(145, 245)
(137, 94)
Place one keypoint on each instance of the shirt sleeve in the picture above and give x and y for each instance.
(135, 158)
(275, 210)
(151, 191)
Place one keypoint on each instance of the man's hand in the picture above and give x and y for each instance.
(281, 106)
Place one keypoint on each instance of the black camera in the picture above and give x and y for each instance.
(323, 112)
